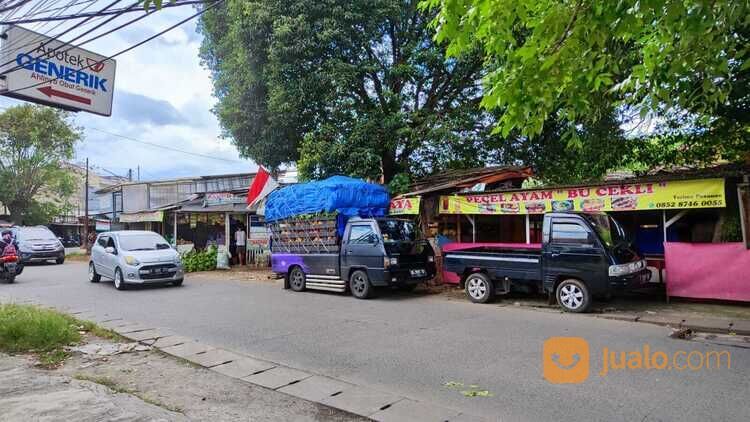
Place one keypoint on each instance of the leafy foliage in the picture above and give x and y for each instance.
(204, 260)
(340, 86)
(553, 56)
(399, 184)
(34, 141)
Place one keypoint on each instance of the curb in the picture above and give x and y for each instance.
(346, 396)
(708, 325)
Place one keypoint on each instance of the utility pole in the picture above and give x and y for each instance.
(130, 175)
(139, 172)
(86, 210)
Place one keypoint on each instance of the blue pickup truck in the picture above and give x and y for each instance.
(582, 255)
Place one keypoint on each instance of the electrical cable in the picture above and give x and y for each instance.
(144, 41)
(107, 13)
(196, 154)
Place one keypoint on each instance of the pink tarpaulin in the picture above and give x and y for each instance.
(708, 270)
(453, 278)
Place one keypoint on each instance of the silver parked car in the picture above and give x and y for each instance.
(134, 257)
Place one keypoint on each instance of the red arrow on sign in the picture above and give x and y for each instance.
(52, 92)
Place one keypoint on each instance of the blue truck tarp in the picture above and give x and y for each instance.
(347, 196)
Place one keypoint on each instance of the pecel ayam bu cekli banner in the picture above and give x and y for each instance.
(673, 194)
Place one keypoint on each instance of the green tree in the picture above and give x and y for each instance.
(343, 86)
(34, 141)
(680, 65)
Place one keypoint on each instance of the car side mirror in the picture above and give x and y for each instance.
(110, 250)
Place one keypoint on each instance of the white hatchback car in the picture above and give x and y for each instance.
(135, 257)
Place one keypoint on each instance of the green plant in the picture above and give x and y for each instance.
(204, 260)
(26, 328)
(731, 230)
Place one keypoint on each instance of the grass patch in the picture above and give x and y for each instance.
(31, 329)
(27, 328)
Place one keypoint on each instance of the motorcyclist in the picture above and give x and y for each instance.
(7, 240)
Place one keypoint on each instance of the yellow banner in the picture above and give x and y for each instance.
(405, 206)
(676, 194)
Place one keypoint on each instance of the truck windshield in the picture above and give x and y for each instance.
(608, 229)
(397, 230)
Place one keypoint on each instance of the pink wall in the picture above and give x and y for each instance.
(708, 270)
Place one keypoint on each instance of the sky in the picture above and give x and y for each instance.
(163, 95)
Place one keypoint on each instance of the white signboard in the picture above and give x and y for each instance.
(43, 70)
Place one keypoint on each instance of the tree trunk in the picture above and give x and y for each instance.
(388, 166)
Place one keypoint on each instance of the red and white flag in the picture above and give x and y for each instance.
(262, 185)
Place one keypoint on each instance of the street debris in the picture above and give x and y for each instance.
(682, 333)
(109, 349)
(473, 391)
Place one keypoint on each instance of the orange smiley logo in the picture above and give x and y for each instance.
(565, 360)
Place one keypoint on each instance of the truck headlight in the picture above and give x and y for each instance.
(387, 262)
(131, 260)
(629, 268)
(430, 258)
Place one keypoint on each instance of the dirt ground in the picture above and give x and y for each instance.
(146, 385)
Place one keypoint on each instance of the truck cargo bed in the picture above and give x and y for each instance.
(499, 262)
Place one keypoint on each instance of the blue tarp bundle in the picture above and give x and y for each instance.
(345, 195)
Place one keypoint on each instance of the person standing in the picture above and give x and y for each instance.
(240, 238)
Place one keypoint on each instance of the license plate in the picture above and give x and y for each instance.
(418, 273)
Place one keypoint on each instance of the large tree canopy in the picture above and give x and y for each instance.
(34, 141)
(343, 86)
(682, 65)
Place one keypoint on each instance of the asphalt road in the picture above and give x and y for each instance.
(412, 345)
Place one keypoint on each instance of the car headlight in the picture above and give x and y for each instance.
(131, 260)
(177, 259)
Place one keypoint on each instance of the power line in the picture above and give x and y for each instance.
(158, 34)
(52, 39)
(196, 154)
(110, 12)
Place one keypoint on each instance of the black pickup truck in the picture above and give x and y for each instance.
(582, 255)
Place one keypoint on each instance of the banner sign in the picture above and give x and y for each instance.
(142, 217)
(675, 194)
(222, 198)
(45, 70)
(405, 206)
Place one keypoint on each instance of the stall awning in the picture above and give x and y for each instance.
(668, 194)
(141, 217)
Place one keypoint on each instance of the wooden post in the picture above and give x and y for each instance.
(743, 198)
(458, 228)
(175, 230)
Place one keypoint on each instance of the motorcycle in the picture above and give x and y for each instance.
(8, 264)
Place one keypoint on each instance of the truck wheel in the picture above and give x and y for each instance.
(479, 288)
(297, 279)
(573, 296)
(360, 286)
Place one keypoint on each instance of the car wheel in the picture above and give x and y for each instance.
(359, 285)
(297, 279)
(119, 282)
(479, 288)
(93, 276)
(573, 296)
(178, 282)
(60, 260)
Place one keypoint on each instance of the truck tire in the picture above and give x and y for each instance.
(573, 296)
(479, 288)
(297, 279)
(359, 285)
